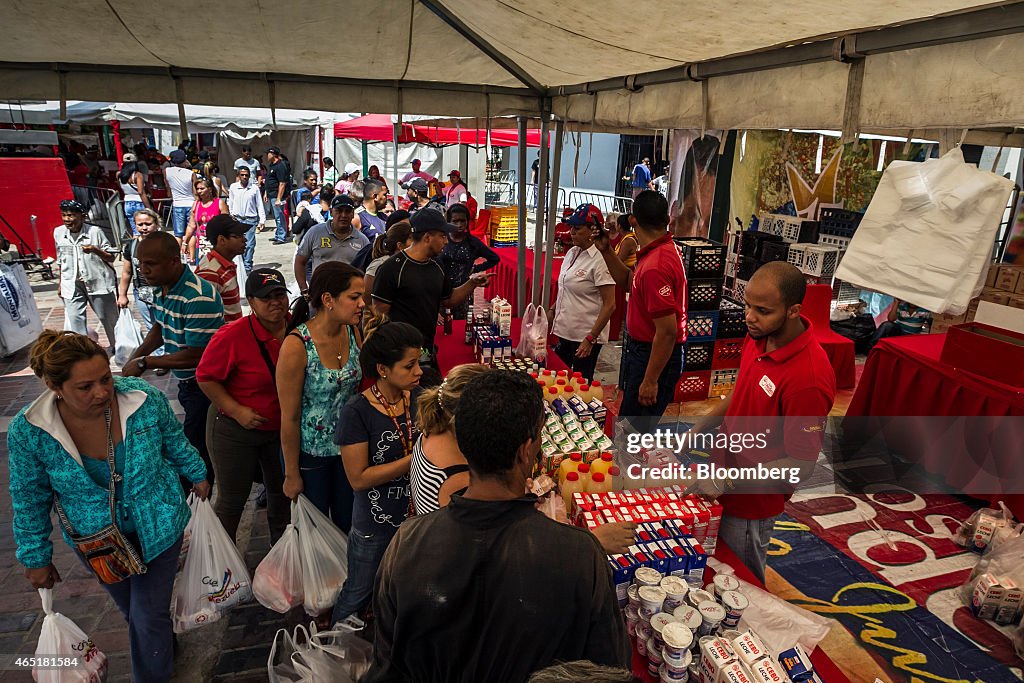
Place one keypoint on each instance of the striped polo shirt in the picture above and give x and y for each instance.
(224, 275)
(188, 315)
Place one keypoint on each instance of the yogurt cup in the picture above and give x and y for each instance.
(689, 616)
(677, 640)
(643, 630)
(667, 675)
(677, 666)
(722, 583)
(633, 595)
(734, 603)
(712, 614)
(658, 623)
(651, 599)
(631, 613)
(654, 658)
(645, 576)
(696, 596)
(631, 627)
(675, 592)
(641, 645)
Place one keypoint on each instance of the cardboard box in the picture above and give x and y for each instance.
(1000, 316)
(990, 277)
(1020, 284)
(1007, 278)
(941, 322)
(986, 350)
(996, 296)
(1016, 301)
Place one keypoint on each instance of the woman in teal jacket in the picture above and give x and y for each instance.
(58, 447)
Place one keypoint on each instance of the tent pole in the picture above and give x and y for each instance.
(553, 208)
(542, 184)
(521, 205)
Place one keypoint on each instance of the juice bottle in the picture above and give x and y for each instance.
(571, 486)
(596, 391)
(598, 483)
(568, 465)
(615, 478)
(568, 391)
(551, 393)
(602, 464)
(585, 393)
(577, 380)
(584, 471)
(563, 374)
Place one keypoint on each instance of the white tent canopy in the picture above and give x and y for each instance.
(613, 65)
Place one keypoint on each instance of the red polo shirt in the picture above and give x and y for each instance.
(796, 386)
(233, 359)
(658, 289)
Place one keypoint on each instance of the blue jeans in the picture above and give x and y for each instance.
(326, 485)
(179, 219)
(129, 210)
(250, 247)
(634, 367)
(146, 313)
(145, 602)
(196, 405)
(749, 539)
(280, 222)
(365, 551)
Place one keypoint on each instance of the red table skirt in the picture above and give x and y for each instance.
(904, 376)
(452, 349)
(824, 666)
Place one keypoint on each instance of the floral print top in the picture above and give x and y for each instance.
(324, 393)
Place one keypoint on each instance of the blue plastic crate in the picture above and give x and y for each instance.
(701, 326)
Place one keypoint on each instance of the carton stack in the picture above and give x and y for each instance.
(1004, 286)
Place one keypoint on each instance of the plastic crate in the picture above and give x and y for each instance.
(814, 280)
(771, 224)
(840, 243)
(792, 229)
(844, 292)
(738, 290)
(703, 258)
(701, 325)
(505, 224)
(703, 295)
(698, 355)
(774, 251)
(693, 386)
(722, 382)
(727, 353)
(839, 222)
(731, 320)
(746, 266)
(730, 267)
(499, 243)
(818, 260)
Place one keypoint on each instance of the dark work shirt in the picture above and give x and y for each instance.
(415, 290)
(492, 591)
(276, 174)
(383, 506)
(458, 259)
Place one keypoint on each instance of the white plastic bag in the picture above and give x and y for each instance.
(323, 550)
(538, 335)
(338, 655)
(1004, 562)
(127, 337)
(985, 526)
(280, 666)
(61, 637)
(277, 581)
(523, 347)
(214, 578)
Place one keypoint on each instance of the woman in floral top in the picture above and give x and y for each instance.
(317, 373)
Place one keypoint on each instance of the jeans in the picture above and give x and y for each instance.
(566, 350)
(749, 539)
(326, 485)
(365, 551)
(145, 602)
(146, 313)
(886, 329)
(179, 219)
(129, 210)
(280, 221)
(196, 405)
(104, 305)
(250, 247)
(237, 452)
(634, 366)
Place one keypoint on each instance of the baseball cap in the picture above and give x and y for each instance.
(418, 184)
(263, 282)
(430, 220)
(223, 225)
(178, 156)
(274, 150)
(341, 200)
(416, 161)
(454, 172)
(586, 213)
(351, 168)
(204, 154)
(72, 205)
(129, 158)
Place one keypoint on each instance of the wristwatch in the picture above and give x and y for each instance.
(590, 338)
(141, 363)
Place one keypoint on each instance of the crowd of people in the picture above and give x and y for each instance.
(339, 396)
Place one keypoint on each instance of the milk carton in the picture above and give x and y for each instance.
(749, 648)
(987, 597)
(716, 655)
(797, 664)
(1006, 614)
(734, 673)
(767, 671)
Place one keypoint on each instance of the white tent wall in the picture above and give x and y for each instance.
(437, 161)
(293, 143)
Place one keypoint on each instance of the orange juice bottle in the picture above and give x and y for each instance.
(568, 465)
(548, 377)
(572, 485)
(596, 391)
(551, 393)
(615, 478)
(584, 392)
(598, 483)
(577, 380)
(568, 391)
(602, 464)
(563, 374)
(584, 472)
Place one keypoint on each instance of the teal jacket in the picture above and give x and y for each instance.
(44, 461)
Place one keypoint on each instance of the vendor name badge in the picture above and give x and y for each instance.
(767, 385)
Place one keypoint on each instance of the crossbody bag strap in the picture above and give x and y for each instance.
(263, 352)
(111, 487)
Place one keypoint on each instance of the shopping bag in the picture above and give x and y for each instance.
(61, 637)
(277, 581)
(1000, 566)
(214, 578)
(538, 336)
(280, 665)
(127, 337)
(984, 526)
(323, 551)
(523, 347)
(338, 655)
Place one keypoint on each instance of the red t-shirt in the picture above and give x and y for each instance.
(658, 289)
(794, 382)
(233, 359)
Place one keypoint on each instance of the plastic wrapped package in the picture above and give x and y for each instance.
(277, 581)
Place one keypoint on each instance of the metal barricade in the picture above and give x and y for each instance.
(531, 198)
(606, 202)
(499, 194)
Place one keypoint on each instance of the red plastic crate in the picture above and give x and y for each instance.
(693, 386)
(727, 354)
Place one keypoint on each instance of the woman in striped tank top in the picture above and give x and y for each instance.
(438, 467)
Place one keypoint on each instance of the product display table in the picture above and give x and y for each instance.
(452, 349)
(904, 376)
(824, 666)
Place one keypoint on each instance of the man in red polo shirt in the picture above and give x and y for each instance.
(784, 390)
(227, 236)
(656, 316)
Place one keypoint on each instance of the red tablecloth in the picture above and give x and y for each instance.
(904, 376)
(452, 349)
(826, 669)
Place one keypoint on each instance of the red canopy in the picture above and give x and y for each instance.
(379, 128)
